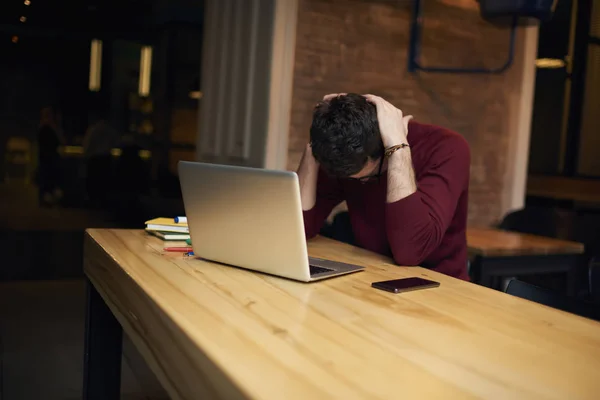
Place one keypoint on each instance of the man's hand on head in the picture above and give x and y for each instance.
(310, 158)
(308, 172)
(392, 123)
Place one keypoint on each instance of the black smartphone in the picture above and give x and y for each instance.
(405, 285)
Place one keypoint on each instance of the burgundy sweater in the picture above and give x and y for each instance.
(427, 228)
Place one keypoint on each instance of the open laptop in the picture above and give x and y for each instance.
(251, 218)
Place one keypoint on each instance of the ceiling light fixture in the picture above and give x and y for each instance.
(549, 63)
(95, 65)
(145, 71)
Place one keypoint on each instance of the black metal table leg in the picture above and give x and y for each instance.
(103, 350)
(485, 277)
(578, 268)
(480, 274)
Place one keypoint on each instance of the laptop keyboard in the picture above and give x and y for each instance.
(318, 270)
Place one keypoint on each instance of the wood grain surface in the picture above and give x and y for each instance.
(564, 188)
(218, 332)
(491, 242)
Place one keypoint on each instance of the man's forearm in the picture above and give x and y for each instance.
(400, 176)
(308, 173)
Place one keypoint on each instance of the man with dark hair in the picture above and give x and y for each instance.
(405, 183)
(345, 135)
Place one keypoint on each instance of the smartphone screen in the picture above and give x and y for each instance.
(405, 285)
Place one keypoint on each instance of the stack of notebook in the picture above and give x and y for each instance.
(168, 229)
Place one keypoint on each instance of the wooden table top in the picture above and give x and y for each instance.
(491, 242)
(212, 331)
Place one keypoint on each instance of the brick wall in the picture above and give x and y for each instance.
(361, 46)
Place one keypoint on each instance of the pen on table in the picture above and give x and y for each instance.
(179, 249)
(180, 220)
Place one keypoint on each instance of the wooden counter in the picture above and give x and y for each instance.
(491, 242)
(217, 332)
(497, 255)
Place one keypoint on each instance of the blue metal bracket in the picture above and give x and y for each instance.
(415, 49)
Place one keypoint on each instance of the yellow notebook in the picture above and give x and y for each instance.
(166, 225)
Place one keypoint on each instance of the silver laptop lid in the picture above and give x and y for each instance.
(246, 217)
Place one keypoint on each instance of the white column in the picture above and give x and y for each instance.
(247, 71)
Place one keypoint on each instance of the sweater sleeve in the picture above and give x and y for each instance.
(416, 224)
(329, 195)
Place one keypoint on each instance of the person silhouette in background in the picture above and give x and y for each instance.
(49, 139)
